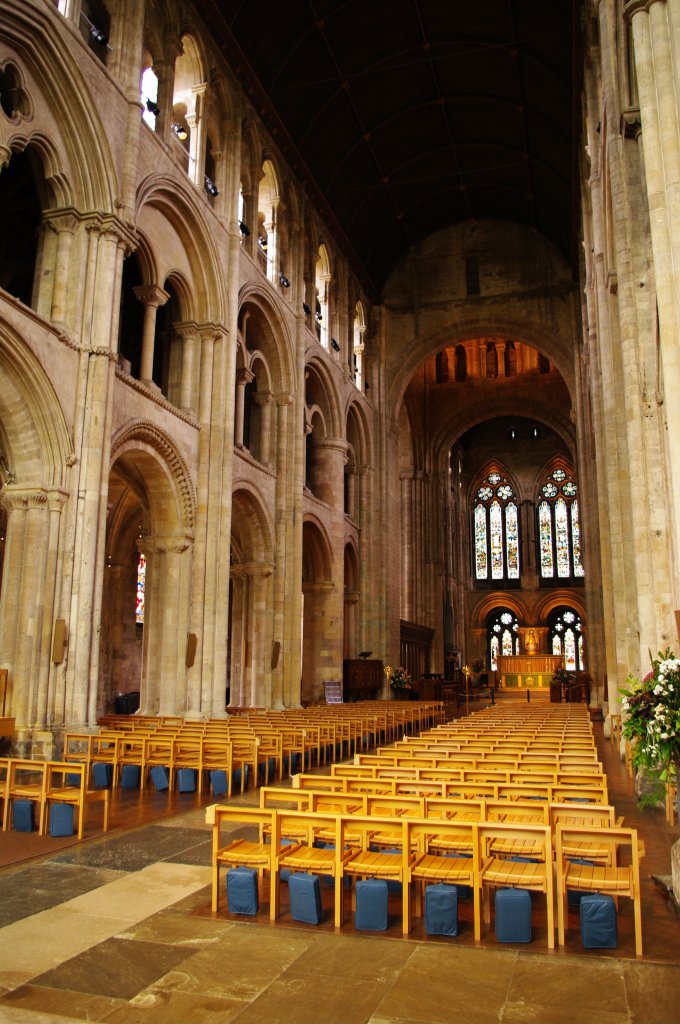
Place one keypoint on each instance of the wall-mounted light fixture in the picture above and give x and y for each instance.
(153, 108)
(180, 131)
(96, 33)
(334, 345)
(306, 309)
(211, 187)
(283, 281)
(244, 229)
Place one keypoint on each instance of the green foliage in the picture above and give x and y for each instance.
(651, 706)
(400, 680)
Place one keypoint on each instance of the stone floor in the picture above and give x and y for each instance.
(119, 929)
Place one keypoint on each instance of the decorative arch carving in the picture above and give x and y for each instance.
(142, 431)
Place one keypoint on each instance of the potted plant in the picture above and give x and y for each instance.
(652, 723)
(401, 684)
(651, 707)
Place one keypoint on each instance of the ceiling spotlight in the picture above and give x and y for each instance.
(211, 187)
(318, 316)
(153, 108)
(283, 281)
(334, 345)
(181, 132)
(96, 33)
(512, 433)
(244, 229)
(306, 309)
(535, 431)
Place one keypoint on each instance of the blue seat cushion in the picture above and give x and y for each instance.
(159, 777)
(130, 776)
(305, 898)
(242, 895)
(371, 905)
(186, 780)
(219, 782)
(598, 921)
(22, 815)
(513, 915)
(61, 820)
(102, 775)
(441, 909)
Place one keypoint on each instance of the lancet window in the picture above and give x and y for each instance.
(566, 638)
(495, 530)
(502, 636)
(559, 529)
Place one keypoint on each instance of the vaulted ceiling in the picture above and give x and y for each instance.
(405, 116)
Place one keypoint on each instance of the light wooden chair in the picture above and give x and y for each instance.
(307, 855)
(613, 879)
(427, 864)
(25, 781)
(496, 872)
(66, 783)
(240, 852)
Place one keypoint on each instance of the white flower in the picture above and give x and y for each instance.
(658, 690)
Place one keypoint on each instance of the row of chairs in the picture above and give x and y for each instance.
(456, 851)
(46, 784)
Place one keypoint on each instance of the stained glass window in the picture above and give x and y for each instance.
(566, 637)
(141, 580)
(559, 529)
(502, 635)
(496, 531)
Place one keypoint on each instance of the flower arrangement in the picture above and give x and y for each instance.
(400, 680)
(652, 709)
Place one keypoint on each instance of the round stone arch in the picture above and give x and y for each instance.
(36, 441)
(151, 512)
(181, 208)
(320, 631)
(36, 455)
(66, 129)
(404, 363)
(250, 627)
(274, 337)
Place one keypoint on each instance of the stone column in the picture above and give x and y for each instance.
(265, 402)
(283, 404)
(23, 597)
(165, 625)
(243, 377)
(151, 297)
(64, 224)
(654, 24)
(257, 670)
(189, 336)
(328, 481)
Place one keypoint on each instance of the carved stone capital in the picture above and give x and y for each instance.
(151, 295)
(259, 570)
(16, 499)
(633, 7)
(244, 376)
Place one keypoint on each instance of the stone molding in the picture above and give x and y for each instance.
(633, 7)
(149, 433)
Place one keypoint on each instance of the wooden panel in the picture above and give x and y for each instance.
(528, 671)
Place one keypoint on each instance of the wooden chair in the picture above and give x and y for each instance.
(496, 871)
(217, 755)
(612, 879)
(307, 855)
(240, 852)
(66, 783)
(367, 863)
(427, 864)
(25, 781)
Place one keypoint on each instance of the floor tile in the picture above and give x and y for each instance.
(358, 956)
(40, 999)
(36, 887)
(238, 966)
(135, 850)
(653, 992)
(307, 999)
(442, 983)
(119, 968)
(585, 986)
(175, 1008)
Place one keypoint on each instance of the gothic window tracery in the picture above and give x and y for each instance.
(559, 529)
(496, 532)
(502, 636)
(566, 637)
